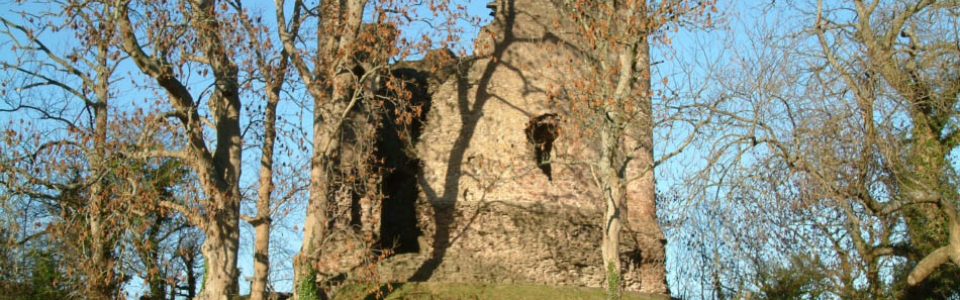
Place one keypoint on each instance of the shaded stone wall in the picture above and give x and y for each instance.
(486, 210)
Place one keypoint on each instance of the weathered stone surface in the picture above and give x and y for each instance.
(509, 242)
(486, 209)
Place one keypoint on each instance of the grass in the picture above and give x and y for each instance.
(480, 291)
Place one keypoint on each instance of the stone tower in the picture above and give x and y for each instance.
(486, 208)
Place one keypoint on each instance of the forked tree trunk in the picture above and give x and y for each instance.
(612, 179)
(218, 171)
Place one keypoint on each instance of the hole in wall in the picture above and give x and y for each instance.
(542, 131)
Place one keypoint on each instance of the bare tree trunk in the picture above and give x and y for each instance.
(220, 259)
(103, 283)
(101, 266)
(261, 261)
(222, 224)
(263, 223)
(612, 180)
(315, 227)
(304, 271)
(612, 195)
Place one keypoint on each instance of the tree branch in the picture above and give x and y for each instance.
(190, 215)
(928, 265)
(42, 47)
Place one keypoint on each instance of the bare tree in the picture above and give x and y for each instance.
(834, 172)
(196, 33)
(272, 72)
(71, 172)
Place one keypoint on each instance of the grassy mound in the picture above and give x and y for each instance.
(458, 291)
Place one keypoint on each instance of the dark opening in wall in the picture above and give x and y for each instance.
(399, 229)
(541, 131)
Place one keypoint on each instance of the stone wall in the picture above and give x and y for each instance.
(485, 211)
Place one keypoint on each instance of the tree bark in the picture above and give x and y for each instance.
(315, 223)
(339, 23)
(261, 261)
(103, 283)
(263, 222)
(220, 260)
(612, 195)
(326, 143)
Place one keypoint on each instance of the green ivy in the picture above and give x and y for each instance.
(306, 286)
(203, 283)
(613, 282)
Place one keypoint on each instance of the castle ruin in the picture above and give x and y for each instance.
(474, 200)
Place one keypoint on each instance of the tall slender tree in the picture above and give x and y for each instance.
(272, 71)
